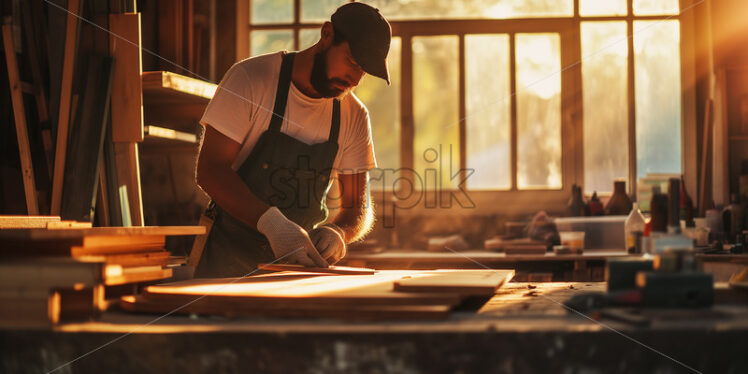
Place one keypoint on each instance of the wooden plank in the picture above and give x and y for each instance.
(40, 94)
(19, 114)
(357, 313)
(68, 225)
(164, 87)
(127, 95)
(79, 192)
(138, 274)
(41, 234)
(46, 273)
(71, 36)
(128, 176)
(66, 245)
(160, 258)
(339, 270)
(463, 282)
(293, 290)
(169, 135)
(112, 183)
(26, 222)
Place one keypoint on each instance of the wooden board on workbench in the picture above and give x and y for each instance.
(462, 282)
(293, 290)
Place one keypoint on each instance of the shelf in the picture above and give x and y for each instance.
(167, 88)
(158, 134)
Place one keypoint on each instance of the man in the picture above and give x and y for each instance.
(278, 129)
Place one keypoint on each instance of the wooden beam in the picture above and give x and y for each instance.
(27, 168)
(40, 95)
(71, 31)
(127, 95)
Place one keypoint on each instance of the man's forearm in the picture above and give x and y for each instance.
(228, 190)
(355, 222)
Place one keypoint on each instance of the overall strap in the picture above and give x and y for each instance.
(281, 94)
(335, 123)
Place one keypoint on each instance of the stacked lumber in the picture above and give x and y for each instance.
(384, 295)
(47, 290)
(57, 271)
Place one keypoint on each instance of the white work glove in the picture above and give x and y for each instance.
(329, 241)
(289, 239)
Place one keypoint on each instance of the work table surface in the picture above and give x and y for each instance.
(524, 327)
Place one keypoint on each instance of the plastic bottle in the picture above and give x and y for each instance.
(634, 229)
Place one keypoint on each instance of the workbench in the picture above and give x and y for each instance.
(588, 266)
(523, 328)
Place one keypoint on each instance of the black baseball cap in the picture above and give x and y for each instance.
(368, 35)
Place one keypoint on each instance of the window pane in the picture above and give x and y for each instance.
(538, 63)
(658, 101)
(602, 7)
(654, 7)
(499, 9)
(435, 109)
(271, 11)
(383, 103)
(605, 99)
(488, 106)
(319, 10)
(270, 41)
(307, 38)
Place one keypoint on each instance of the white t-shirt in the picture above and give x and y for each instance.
(243, 104)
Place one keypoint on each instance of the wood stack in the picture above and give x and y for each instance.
(385, 295)
(42, 292)
(53, 270)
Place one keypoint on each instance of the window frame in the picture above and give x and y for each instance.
(572, 156)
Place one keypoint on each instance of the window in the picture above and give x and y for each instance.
(494, 92)
(604, 85)
(488, 104)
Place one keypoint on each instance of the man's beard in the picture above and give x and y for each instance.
(320, 81)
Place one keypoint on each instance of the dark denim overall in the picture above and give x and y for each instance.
(282, 171)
